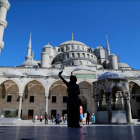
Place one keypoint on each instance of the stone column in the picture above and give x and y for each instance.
(46, 104)
(128, 110)
(96, 108)
(121, 97)
(108, 96)
(19, 109)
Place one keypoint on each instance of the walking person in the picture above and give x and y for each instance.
(46, 119)
(87, 118)
(81, 112)
(57, 119)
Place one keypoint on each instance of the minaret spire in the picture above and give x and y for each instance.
(28, 56)
(107, 45)
(72, 37)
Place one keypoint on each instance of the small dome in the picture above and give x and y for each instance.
(111, 75)
(55, 73)
(123, 65)
(82, 67)
(115, 75)
(30, 63)
(72, 42)
(36, 73)
(13, 73)
(48, 46)
(100, 47)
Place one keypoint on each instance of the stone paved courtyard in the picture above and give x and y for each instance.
(27, 130)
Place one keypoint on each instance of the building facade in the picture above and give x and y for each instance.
(34, 87)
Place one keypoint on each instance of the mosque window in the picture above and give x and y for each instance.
(31, 99)
(53, 99)
(64, 99)
(88, 55)
(78, 47)
(67, 55)
(58, 50)
(78, 54)
(9, 98)
(92, 56)
(83, 55)
(80, 62)
(72, 54)
(71, 47)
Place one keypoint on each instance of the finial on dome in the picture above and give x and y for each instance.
(48, 43)
(32, 54)
(72, 37)
(118, 58)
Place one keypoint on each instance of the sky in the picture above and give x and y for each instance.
(54, 21)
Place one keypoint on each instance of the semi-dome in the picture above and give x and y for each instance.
(48, 46)
(126, 75)
(30, 63)
(111, 75)
(56, 72)
(72, 42)
(82, 67)
(123, 65)
(36, 73)
(14, 73)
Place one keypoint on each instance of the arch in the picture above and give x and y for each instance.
(34, 80)
(119, 85)
(14, 80)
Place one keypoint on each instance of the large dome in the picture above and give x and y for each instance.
(72, 42)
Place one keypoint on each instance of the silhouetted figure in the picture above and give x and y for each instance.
(73, 114)
(46, 119)
(87, 118)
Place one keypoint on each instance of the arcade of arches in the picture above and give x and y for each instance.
(34, 102)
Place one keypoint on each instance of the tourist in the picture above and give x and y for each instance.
(36, 117)
(52, 119)
(87, 117)
(81, 112)
(46, 119)
(41, 118)
(57, 119)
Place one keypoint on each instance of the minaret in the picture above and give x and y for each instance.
(107, 46)
(4, 6)
(28, 56)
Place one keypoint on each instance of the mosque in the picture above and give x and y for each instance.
(109, 88)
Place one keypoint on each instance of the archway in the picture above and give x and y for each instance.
(8, 95)
(57, 102)
(135, 99)
(33, 100)
(86, 96)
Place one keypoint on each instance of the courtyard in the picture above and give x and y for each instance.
(61, 132)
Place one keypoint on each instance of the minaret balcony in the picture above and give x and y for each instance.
(5, 3)
(3, 23)
(1, 44)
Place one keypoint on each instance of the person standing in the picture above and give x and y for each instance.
(87, 118)
(73, 114)
(46, 119)
(57, 119)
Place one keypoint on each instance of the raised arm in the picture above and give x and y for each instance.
(62, 78)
